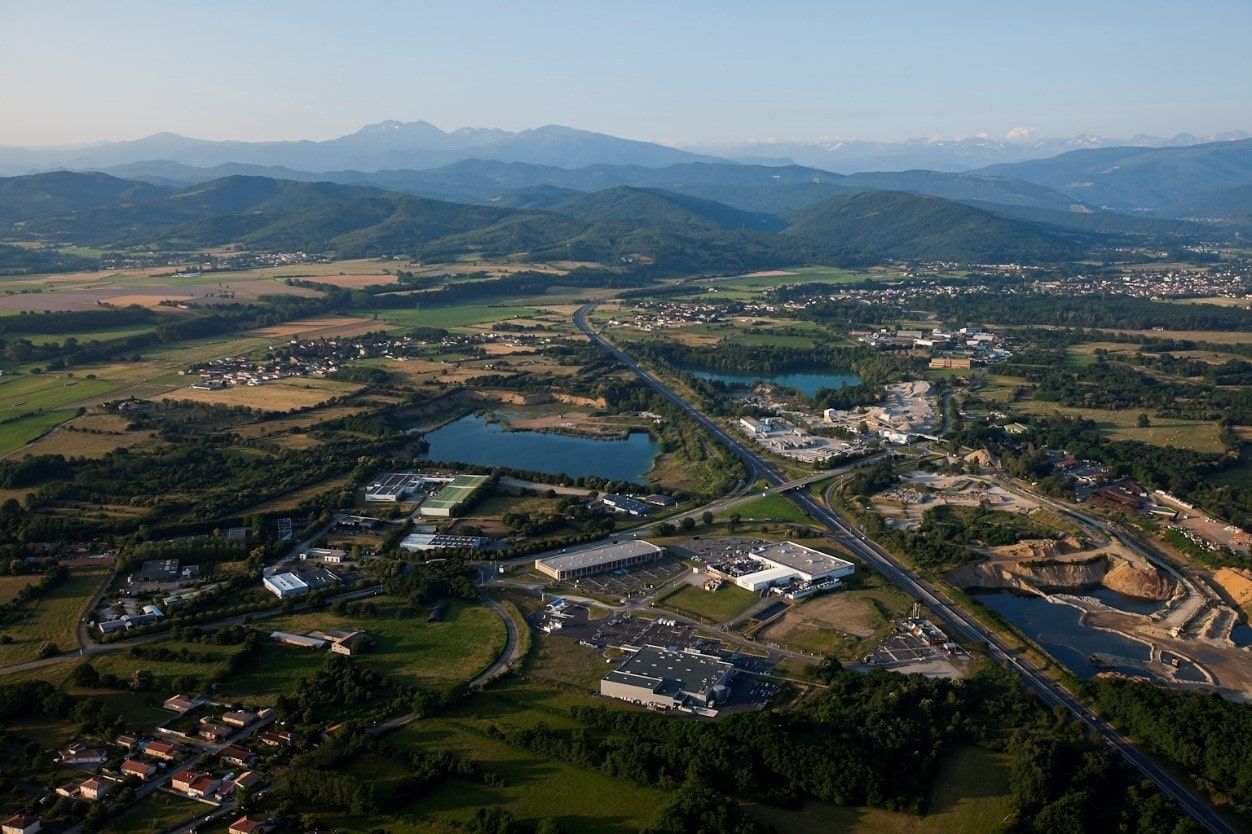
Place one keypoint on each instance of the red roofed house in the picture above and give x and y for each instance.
(203, 786)
(94, 789)
(247, 779)
(21, 824)
(138, 767)
(182, 779)
(179, 703)
(237, 755)
(276, 738)
(163, 750)
(243, 825)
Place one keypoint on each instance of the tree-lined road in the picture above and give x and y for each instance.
(957, 620)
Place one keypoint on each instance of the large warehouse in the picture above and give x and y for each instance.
(603, 559)
(669, 678)
(782, 563)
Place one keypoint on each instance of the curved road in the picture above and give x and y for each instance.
(958, 621)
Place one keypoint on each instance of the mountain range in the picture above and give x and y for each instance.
(395, 145)
(379, 146)
(851, 155)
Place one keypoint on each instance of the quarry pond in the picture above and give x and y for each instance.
(807, 382)
(475, 440)
(1060, 630)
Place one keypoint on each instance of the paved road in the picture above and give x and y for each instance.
(92, 649)
(957, 620)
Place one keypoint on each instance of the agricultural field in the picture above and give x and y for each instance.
(281, 395)
(716, 606)
(323, 327)
(50, 618)
(19, 432)
(91, 435)
(452, 316)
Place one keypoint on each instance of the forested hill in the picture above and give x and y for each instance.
(656, 207)
(913, 227)
(58, 192)
(622, 224)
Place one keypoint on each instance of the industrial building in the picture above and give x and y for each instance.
(782, 563)
(417, 542)
(297, 584)
(669, 678)
(394, 486)
(627, 504)
(603, 559)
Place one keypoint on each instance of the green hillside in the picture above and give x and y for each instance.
(58, 192)
(897, 226)
(656, 207)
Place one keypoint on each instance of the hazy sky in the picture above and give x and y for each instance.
(677, 71)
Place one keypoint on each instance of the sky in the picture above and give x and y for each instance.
(691, 71)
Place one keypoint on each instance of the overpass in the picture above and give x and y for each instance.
(959, 622)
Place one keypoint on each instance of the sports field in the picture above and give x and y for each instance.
(454, 494)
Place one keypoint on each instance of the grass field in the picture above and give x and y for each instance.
(1200, 435)
(18, 433)
(51, 617)
(970, 796)
(155, 813)
(406, 647)
(581, 801)
(769, 508)
(716, 606)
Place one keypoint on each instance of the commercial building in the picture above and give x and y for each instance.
(669, 678)
(609, 557)
(783, 563)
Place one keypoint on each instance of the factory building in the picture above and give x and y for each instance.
(669, 678)
(603, 559)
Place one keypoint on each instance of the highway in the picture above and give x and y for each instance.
(959, 623)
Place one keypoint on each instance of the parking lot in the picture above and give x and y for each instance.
(718, 548)
(631, 582)
(903, 648)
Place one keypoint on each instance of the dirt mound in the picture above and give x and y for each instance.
(1140, 580)
(1237, 582)
(1036, 549)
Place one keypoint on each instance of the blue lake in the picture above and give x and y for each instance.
(807, 382)
(474, 440)
(1122, 602)
(1057, 628)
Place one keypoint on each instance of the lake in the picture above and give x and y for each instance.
(807, 382)
(474, 440)
(1057, 628)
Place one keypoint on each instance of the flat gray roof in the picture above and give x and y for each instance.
(671, 670)
(604, 554)
(801, 558)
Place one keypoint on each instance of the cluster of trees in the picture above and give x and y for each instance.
(1202, 734)
(570, 511)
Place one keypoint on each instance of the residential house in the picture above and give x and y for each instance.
(276, 738)
(243, 825)
(94, 788)
(236, 755)
(77, 754)
(163, 750)
(21, 824)
(238, 718)
(212, 731)
(138, 767)
(179, 703)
